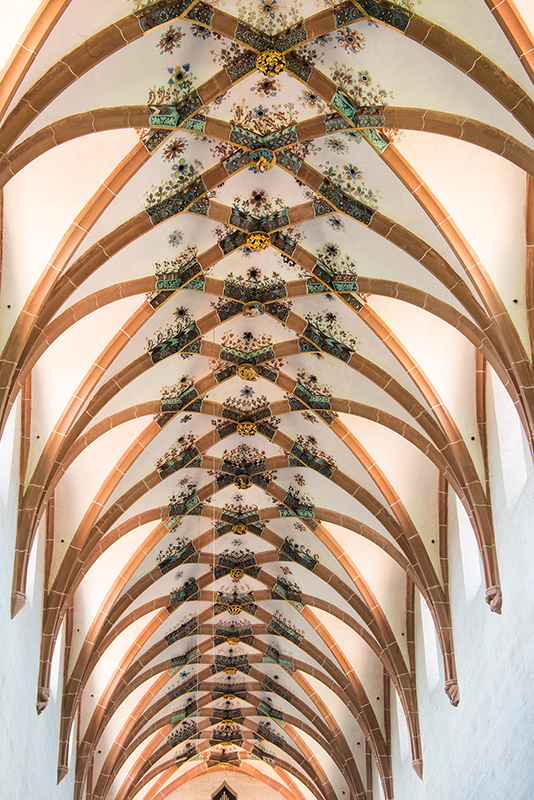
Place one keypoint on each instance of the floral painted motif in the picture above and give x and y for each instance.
(183, 175)
(336, 145)
(174, 149)
(180, 78)
(312, 100)
(349, 179)
(268, 8)
(359, 85)
(175, 238)
(329, 324)
(200, 32)
(352, 172)
(335, 223)
(351, 41)
(170, 267)
(170, 39)
(228, 55)
(323, 40)
(179, 84)
(268, 16)
(263, 120)
(266, 87)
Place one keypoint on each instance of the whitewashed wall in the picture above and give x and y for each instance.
(29, 743)
(484, 748)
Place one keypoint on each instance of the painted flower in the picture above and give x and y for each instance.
(238, 499)
(341, 74)
(309, 98)
(254, 274)
(170, 39)
(331, 250)
(267, 87)
(352, 172)
(299, 479)
(181, 313)
(268, 8)
(322, 40)
(181, 169)
(335, 223)
(354, 135)
(174, 149)
(200, 32)
(258, 198)
(247, 391)
(364, 77)
(175, 238)
(329, 172)
(260, 112)
(337, 145)
(352, 41)
(178, 75)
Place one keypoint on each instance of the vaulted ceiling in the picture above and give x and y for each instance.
(259, 259)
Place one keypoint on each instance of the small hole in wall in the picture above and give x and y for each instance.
(8, 305)
(77, 630)
(358, 742)
(92, 695)
(99, 751)
(433, 541)
(402, 634)
(515, 300)
(472, 438)
(63, 541)
(37, 437)
(378, 698)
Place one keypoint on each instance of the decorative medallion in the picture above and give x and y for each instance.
(236, 574)
(270, 62)
(229, 697)
(247, 372)
(243, 481)
(239, 528)
(253, 309)
(231, 670)
(258, 241)
(263, 160)
(234, 610)
(233, 639)
(246, 428)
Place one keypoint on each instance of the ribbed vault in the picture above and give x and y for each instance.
(250, 340)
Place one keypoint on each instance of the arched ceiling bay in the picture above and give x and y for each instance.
(258, 259)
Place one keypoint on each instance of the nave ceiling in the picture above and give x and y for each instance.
(260, 262)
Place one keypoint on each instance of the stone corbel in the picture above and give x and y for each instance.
(452, 691)
(494, 598)
(43, 693)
